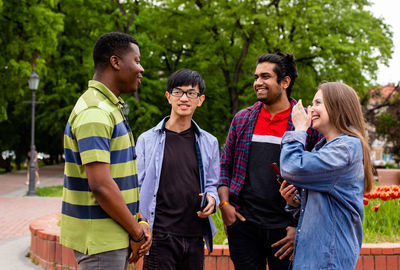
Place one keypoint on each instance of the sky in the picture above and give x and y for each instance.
(389, 11)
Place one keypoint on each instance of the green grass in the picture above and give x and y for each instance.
(378, 227)
(383, 225)
(52, 191)
(220, 237)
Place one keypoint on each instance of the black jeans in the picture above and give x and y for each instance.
(250, 247)
(172, 252)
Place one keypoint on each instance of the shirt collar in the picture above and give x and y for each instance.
(278, 116)
(323, 141)
(105, 91)
(161, 126)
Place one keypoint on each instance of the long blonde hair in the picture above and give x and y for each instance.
(345, 114)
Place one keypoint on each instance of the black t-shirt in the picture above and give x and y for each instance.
(260, 200)
(177, 196)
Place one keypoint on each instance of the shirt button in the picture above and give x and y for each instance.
(303, 190)
(298, 230)
(154, 195)
(152, 213)
(302, 210)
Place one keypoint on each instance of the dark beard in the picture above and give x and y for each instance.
(270, 100)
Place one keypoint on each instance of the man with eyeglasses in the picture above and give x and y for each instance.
(100, 218)
(178, 164)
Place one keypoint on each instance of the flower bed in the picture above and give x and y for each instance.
(381, 215)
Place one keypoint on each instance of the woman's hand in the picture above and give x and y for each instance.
(289, 192)
(300, 118)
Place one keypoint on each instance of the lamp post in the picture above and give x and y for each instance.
(33, 85)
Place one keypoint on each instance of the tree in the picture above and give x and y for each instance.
(28, 36)
(332, 40)
(384, 114)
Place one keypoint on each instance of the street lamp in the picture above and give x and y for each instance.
(33, 82)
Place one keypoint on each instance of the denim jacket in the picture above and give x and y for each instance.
(331, 179)
(150, 153)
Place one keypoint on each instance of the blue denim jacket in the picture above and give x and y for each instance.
(150, 153)
(331, 178)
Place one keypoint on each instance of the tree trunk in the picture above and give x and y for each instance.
(234, 98)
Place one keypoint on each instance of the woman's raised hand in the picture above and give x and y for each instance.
(300, 118)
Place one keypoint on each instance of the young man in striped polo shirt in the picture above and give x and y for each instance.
(101, 194)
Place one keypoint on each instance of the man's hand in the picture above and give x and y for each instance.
(135, 246)
(228, 212)
(287, 244)
(209, 208)
(289, 192)
(229, 216)
(149, 239)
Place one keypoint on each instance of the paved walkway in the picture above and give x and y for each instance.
(17, 211)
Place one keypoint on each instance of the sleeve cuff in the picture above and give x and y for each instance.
(291, 136)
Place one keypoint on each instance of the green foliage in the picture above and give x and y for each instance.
(331, 40)
(388, 124)
(383, 225)
(28, 31)
(220, 237)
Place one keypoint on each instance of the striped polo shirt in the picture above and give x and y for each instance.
(96, 132)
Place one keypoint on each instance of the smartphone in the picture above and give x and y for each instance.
(203, 202)
(277, 172)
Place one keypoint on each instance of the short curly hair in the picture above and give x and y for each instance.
(107, 45)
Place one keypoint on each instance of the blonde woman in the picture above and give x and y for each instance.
(331, 179)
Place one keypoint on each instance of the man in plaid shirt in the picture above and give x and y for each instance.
(258, 228)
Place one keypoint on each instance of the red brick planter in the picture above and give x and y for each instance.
(388, 177)
(50, 254)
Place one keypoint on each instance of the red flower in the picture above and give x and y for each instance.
(376, 207)
(384, 196)
(365, 201)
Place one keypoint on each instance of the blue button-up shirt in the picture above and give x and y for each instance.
(331, 179)
(150, 153)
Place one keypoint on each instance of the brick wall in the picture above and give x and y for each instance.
(50, 254)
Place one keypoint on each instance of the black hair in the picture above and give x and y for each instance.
(285, 66)
(107, 45)
(184, 77)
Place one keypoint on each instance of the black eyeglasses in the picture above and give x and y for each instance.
(177, 92)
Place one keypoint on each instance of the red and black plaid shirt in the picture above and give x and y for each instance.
(236, 150)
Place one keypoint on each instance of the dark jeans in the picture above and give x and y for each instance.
(250, 247)
(171, 252)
